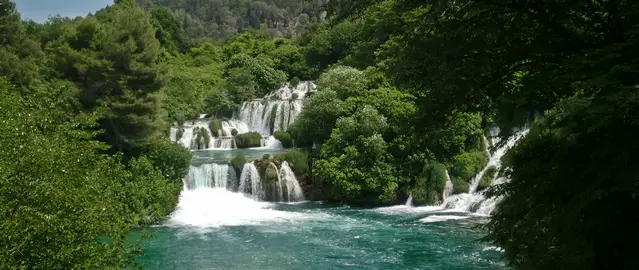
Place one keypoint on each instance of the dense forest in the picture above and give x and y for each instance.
(406, 91)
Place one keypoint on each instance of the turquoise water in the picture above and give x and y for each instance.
(316, 236)
(213, 228)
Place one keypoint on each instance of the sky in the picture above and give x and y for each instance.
(39, 10)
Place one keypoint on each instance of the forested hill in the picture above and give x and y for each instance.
(222, 19)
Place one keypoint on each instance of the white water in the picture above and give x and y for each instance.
(284, 105)
(215, 207)
(251, 183)
(209, 176)
(293, 189)
(448, 189)
(409, 201)
(474, 201)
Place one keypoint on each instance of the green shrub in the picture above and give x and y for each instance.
(266, 156)
(430, 185)
(295, 96)
(234, 132)
(465, 166)
(215, 126)
(284, 137)
(487, 178)
(248, 140)
(172, 159)
(296, 135)
(298, 161)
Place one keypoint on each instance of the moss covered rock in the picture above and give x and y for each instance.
(430, 186)
(459, 186)
(238, 163)
(284, 137)
(202, 138)
(487, 178)
(248, 140)
(215, 126)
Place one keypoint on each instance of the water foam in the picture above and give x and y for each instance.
(217, 207)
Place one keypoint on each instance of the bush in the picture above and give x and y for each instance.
(487, 178)
(248, 140)
(234, 132)
(171, 158)
(284, 137)
(271, 174)
(459, 186)
(295, 96)
(266, 156)
(215, 126)
(298, 161)
(296, 135)
(465, 166)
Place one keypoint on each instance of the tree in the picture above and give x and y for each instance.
(113, 58)
(355, 162)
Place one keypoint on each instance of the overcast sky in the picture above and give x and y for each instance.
(39, 10)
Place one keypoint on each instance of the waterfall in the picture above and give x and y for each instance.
(448, 189)
(474, 201)
(209, 176)
(250, 182)
(280, 190)
(275, 112)
(293, 189)
(409, 202)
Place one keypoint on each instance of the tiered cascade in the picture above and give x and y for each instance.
(284, 187)
(275, 112)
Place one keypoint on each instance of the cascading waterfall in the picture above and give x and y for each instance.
(275, 112)
(251, 183)
(474, 201)
(293, 189)
(210, 176)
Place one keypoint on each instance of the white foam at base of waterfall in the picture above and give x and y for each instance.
(474, 201)
(216, 207)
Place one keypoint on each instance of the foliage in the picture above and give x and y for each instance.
(60, 196)
(234, 132)
(298, 161)
(170, 158)
(266, 77)
(345, 81)
(92, 53)
(284, 137)
(430, 186)
(459, 186)
(320, 114)
(221, 20)
(465, 166)
(355, 162)
(248, 140)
